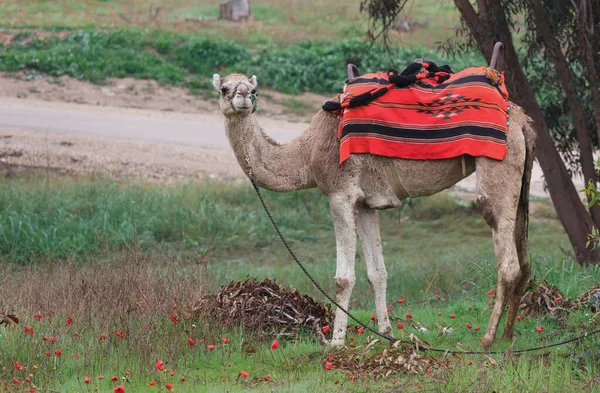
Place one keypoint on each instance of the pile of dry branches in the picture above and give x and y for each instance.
(541, 298)
(372, 362)
(264, 307)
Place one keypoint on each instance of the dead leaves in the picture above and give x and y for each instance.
(371, 361)
(7, 319)
(264, 307)
(541, 299)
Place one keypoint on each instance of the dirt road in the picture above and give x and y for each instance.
(128, 142)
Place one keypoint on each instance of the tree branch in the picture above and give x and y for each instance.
(468, 14)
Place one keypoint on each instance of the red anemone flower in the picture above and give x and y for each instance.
(275, 345)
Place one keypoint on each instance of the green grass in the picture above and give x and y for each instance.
(91, 247)
(272, 22)
(179, 59)
(64, 218)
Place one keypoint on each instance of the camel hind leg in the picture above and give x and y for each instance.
(515, 298)
(521, 233)
(498, 193)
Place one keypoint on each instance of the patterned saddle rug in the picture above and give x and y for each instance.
(425, 116)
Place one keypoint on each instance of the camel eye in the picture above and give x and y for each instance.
(224, 90)
(253, 92)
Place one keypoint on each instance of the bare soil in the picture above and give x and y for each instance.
(79, 155)
(148, 94)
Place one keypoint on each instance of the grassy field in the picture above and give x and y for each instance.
(272, 22)
(95, 249)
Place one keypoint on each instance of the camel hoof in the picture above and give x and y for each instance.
(507, 335)
(387, 331)
(486, 342)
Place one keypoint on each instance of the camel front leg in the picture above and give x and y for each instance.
(343, 212)
(368, 231)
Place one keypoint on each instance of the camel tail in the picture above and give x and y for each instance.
(523, 209)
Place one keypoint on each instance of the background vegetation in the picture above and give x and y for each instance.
(316, 66)
(272, 22)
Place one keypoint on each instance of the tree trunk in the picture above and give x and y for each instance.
(585, 26)
(572, 213)
(578, 116)
(235, 10)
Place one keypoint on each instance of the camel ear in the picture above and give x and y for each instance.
(217, 82)
(253, 81)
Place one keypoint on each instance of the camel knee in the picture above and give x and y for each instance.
(525, 273)
(344, 285)
(510, 276)
(377, 278)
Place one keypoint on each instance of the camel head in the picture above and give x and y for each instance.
(237, 94)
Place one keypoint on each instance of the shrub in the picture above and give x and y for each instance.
(174, 59)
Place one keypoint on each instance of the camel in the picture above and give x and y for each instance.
(361, 186)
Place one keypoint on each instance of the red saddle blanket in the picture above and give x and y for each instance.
(466, 114)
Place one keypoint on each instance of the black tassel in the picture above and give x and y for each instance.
(360, 100)
(446, 68)
(411, 69)
(331, 106)
(403, 80)
(443, 78)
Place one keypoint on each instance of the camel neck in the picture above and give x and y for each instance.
(274, 166)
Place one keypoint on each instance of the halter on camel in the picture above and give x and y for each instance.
(228, 97)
